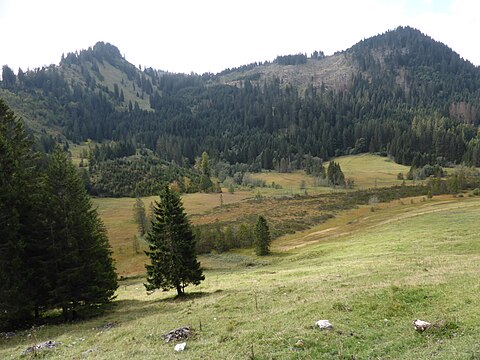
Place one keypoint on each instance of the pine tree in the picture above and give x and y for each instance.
(82, 270)
(17, 212)
(262, 237)
(171, 242)
(335, 175)
(140, 216)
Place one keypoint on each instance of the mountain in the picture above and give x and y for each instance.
(399, 93)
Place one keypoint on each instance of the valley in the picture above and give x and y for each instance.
(370, 274)
(361, 168)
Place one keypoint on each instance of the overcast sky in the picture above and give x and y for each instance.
(211, 35)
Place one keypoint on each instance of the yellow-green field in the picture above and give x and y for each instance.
(367, 170)
(290, 182)
(117, 213)
(371, 170)
(369, 273)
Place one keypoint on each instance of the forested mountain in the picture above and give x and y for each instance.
(399, 93)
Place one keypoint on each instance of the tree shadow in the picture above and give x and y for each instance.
(116, 314)
(189, 296)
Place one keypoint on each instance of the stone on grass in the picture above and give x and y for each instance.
(86, 352)
(300, 343)
(180, 347)
(177, 334)
(42, 346)
(324, 324)
(421, 325)
(7, 335)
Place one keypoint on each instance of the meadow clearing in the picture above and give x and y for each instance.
(369, 272)
(279, 204)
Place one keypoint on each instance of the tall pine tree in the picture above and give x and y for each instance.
(83, 273)
(171, 242)
(17, 184)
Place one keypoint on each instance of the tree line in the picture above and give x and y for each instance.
(54, 247)
(415, 102)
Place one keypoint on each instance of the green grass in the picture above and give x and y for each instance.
(289, 214)
(371, 281)
(370, 170)
(117, 214)
(367, 170)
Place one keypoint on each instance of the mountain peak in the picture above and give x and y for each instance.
(101, 51)
(106, 51)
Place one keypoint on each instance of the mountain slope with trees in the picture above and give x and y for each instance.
(400, 94)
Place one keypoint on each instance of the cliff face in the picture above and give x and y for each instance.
(464, 112)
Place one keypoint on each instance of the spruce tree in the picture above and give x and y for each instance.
(17, 184)
(335, 174)
(83, 273)
(140, 216)
(171, 242)
(262, 237)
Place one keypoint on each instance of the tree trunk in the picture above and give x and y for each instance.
(179, 290)
(37, 312)
(65, 313)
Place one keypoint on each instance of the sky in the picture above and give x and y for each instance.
(212, 35)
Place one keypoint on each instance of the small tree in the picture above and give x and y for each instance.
(262, 237)
(335, 175)
(171, 242)
(140, 216)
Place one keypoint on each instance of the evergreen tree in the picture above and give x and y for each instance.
(262, 237)
(171, 242)
(17, 184)
(203, 165)
(82, 271)
(335, 175)
(140, 216)
(8, 77)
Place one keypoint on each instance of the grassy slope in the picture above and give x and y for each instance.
(117, 214)
(203, 208)
(366, 169)
(370, 170)
(404, 262)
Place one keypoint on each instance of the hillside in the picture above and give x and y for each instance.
(334, 72)
(369, 281)
(400, 94)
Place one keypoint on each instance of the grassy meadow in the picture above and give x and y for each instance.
(369, 270)
(117, 214)
(370, 170)
(371, 277)
(278, 204)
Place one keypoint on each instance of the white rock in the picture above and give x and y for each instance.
(180, 347)
(421, 325)
(324, 324)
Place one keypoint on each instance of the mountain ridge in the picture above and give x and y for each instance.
(373, 97)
